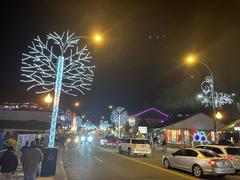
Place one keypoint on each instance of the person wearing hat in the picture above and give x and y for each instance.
(31, 159)
(8, 162)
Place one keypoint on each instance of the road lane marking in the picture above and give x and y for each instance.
(151, 165)
(98, 159)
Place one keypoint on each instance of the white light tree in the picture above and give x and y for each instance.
(57, 64)
(119, 116)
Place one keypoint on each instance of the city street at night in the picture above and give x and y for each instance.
(89, 162)
(120, 90)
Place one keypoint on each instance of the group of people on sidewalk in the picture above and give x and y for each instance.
(31, 159)
(154, 141)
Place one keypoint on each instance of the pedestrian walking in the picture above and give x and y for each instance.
(31, 159)
(8, 162)
(23, 148)
(164, 144)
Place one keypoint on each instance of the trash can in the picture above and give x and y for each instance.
(49, 162)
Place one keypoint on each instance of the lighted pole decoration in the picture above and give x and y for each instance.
(119, 116)
(210, 97)
(57, 64)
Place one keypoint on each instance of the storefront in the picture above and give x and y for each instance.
(197, 129)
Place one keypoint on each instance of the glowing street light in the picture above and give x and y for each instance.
(191, 59)
(219, 115)
(110, 107)
(83, 116)
(48, 99)
(77, 104)
(98, 38)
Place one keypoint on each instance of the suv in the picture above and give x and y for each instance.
(135, 146)
(230, 152)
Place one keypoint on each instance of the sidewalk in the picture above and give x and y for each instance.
(60, 172)
(169, 149)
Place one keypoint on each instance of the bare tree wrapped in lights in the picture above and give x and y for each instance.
(57, 64)
(119, 116)
(220, 98)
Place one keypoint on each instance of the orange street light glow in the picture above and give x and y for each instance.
(48, 98)
(98, 38)
(219, 115)
(76, 104)
(190, 59)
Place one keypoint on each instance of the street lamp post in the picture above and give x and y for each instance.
(191, 60)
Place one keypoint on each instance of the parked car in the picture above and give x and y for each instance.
(108, 141)
(135, 146)
(230, 152)
(198, 161)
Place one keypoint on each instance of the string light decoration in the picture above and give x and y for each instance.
(57, 64)
(220, 98)
(119, 116)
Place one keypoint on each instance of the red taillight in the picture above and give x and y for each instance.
(213, 163)
(231, 158)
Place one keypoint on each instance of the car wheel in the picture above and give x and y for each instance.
(145, 155)
(221, 176)
(166, 163)
(197, 171)
(129, 152)
(120, 150)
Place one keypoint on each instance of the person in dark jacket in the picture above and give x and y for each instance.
(24, 147)
(8, 163)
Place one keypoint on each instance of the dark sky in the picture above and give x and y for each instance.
(139, 63)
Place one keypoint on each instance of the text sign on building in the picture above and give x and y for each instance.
(142, 129)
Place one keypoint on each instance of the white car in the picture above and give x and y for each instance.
(231, 153)
(198, 161)
(135, 147)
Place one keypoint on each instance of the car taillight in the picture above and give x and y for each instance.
(231, 158)
(213, 163)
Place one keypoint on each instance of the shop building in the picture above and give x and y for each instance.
(194, 130)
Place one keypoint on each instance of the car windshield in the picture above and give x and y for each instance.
(140, 141)
(209, 153)
(233, 151)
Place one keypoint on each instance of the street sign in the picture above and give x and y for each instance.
(142, 129)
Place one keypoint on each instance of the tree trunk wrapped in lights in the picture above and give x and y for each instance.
(57, 64)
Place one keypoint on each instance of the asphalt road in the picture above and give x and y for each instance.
(91, 162)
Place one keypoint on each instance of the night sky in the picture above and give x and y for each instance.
(140, 62)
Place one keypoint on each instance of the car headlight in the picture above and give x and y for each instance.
(90, 138)
(83, 138)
